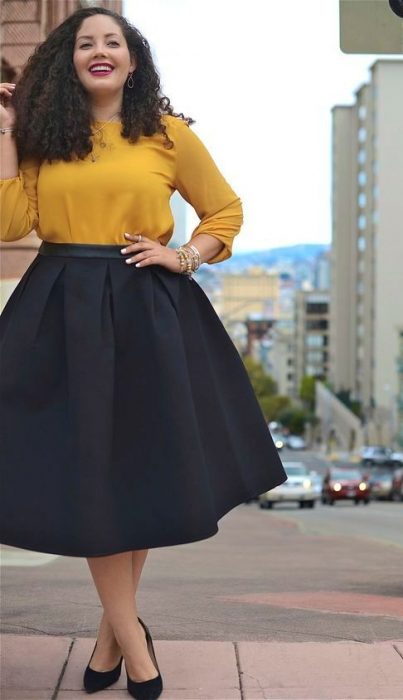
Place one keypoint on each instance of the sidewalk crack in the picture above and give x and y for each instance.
(397, 650)
(238, 665)
(59, 680)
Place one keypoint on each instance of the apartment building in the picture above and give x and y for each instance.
(247, 294)
(311, 335)
(400, 389)
(366, 303)
(282, 360)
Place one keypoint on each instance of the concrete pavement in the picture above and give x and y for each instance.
(51, 668)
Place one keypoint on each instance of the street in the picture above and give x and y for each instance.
(290, 574)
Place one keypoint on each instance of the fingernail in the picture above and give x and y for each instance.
(123, 250)
(127, 234)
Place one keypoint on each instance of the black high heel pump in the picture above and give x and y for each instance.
(98, 680)
(146, 690)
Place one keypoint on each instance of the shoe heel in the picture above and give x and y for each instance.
(146, 690)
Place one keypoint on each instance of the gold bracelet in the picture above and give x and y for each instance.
(187, 256)
(197, 255)
(182, 261)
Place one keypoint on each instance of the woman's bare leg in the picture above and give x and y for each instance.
(116, 578)
(108, 652)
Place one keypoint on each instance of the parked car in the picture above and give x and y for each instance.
(299, 488)
(341, 484)
(381, 483)
(278, 440)
(397, 485)
(397, 458)
(376, 455)
(295, 442)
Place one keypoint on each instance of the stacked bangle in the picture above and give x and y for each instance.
(4, 129)
(189, 258)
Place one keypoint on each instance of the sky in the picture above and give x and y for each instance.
(260, 78)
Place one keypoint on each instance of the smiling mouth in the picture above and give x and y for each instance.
(101, 71)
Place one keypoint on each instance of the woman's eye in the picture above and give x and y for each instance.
(109, 42)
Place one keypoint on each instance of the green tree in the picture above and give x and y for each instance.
(294, 418)
(307, 391)
(263, 384)
(273, 406)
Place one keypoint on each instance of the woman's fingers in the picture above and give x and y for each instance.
(149, 253)
(135, 247)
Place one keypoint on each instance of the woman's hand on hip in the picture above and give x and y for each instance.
(149, 252)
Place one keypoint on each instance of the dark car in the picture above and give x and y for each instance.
(345, 484)
(376, 454)
(381, 482)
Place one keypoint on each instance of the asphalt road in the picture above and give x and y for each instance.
(383, 521)
(289, 574)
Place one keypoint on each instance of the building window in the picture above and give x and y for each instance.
(316, 307)
(362, 222)
(361, 243)
(362, 200)
(314, 356)
(315, 341)
(362, 112)
(362, 156)
(362, 134)
(319, 324)
(362, 178)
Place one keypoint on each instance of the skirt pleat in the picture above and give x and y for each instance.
(128, 420)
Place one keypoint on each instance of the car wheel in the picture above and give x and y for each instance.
(311, 504)
(331, 501)
(356, 501)
(262, 505)
(366, 501)
(302, 504)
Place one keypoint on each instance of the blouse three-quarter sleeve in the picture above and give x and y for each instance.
(202, 185)
(19, 203)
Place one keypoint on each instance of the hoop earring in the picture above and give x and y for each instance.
(130, 81)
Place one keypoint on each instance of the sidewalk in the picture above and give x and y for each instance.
(38, 667)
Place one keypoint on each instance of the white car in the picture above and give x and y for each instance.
(295, 442)
(300, 488)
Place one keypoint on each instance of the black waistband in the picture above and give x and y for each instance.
(81, 250)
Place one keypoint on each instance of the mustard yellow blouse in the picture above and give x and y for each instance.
(126, 188)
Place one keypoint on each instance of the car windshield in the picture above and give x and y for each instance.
(295, 469)
(346, 475)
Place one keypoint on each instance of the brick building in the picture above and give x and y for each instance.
(24, 24)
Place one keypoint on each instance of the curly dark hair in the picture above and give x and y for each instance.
(53, 115)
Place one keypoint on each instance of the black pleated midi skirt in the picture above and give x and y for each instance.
(128, 420)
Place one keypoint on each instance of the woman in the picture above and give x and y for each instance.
(128, 419)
